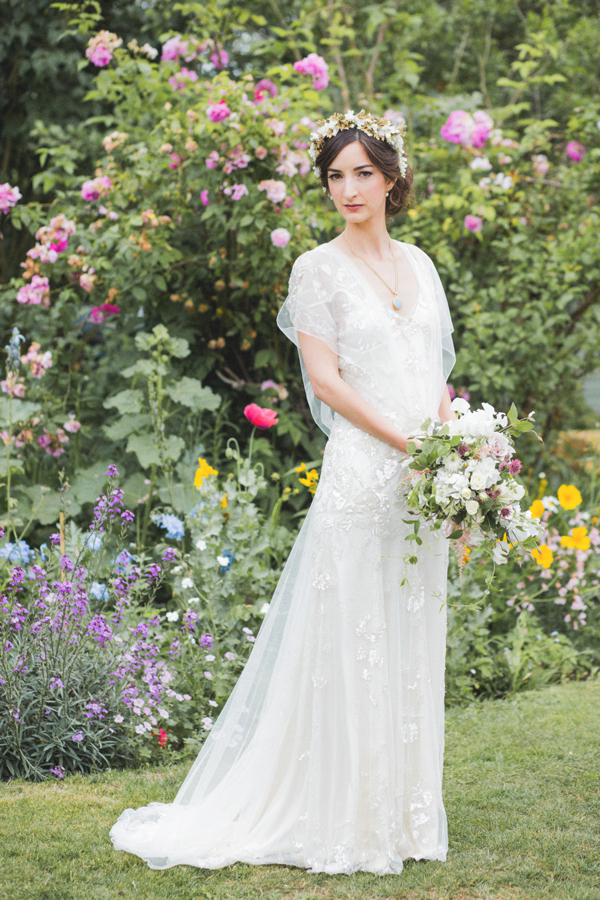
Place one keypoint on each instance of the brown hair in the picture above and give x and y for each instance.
(381, 155)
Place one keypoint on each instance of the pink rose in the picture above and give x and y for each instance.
(276, 190)
(95, 188)
(72, 425)
(473, 223)
(575, 151)
(100, 48)
(9, 196)
(457, 127)
(212, 160)
(180, 80)
(236, 191)
(176, 47)
(36, 292)
(280, 237)
(100, 56)
(263, 88)
(259, 416)
(260, 152)
(317, 67)
(219, 57)
(218, 112)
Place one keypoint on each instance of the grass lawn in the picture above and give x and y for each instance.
(522, 791)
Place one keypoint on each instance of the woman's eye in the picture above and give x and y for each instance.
(368, 174)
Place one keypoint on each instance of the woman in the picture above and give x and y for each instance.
(328, 754)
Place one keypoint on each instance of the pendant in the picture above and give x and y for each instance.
(396, 302)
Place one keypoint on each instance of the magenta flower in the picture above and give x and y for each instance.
(515, 467)
(99, 313)
(263, 88)
(9, 196)
(100, 48)
(181, 79)
(204, 198)
(469, 130)
(212, 160)
(175, 161)
(314, 65)
(218, 112)
(575, 151)
(259, 416)
(280, 237)
(473, 223)
(176, 47)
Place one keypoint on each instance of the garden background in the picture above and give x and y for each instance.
(157, 189)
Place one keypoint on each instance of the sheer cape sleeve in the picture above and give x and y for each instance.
(443, 311)
(309, 309)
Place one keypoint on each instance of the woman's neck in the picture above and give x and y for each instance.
(369, 239)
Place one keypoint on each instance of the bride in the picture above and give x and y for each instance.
(328, 754)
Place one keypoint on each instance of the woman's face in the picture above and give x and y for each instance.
(356, 185)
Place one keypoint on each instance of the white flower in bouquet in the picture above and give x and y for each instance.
(461, 477)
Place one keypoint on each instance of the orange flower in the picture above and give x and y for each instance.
(568, 496)
(224, 501)
(543, 556)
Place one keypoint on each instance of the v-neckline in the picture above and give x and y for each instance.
(396, 314)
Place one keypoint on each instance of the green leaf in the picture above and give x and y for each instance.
(126, 425)
(190, 392)
(144, 447)
(128, 401)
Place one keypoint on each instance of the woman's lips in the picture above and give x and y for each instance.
(353, 206)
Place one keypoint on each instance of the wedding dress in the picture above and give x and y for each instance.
(328, 754)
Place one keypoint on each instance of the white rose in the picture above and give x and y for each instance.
(472, 507)
(466, 493)
(478, 480)
(499, 446)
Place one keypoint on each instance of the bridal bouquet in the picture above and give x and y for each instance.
(461, 478)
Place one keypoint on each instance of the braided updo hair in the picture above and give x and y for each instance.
(381, 155)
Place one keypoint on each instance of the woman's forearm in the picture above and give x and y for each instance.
(348, 403)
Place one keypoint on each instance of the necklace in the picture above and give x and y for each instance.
(396, 302)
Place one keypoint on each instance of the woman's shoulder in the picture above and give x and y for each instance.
(313, 259)
(416, 252)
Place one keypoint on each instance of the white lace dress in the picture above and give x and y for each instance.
(328, 754)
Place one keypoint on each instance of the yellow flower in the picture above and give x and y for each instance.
(301, 468)
(577, 540)
(536, 509)
(224, 501)
(568, 496)
(543, 556)
(202, 472)
(311, 480)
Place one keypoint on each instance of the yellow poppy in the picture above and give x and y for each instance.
(577, 540)
(537, 509)
(311, 480)
(301, 468)
(568, 496)
(543, 556)
(202, 472)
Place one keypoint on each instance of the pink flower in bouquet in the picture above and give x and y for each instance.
(263, 88)
(95, 188)
(280, 237)
(181, 79)
(218, 112)
(515, 467)
(259, 416)
(314, 65)
(575, 151)
(36, 292)
(473, 223)
(9, 197)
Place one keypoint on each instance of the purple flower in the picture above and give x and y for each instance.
(169, 556)
(55, 682)
(112, 471)
(99, 629)
(127, 516)
(78, 736)
(515, 467)
(55, 538)
(58, 771)
(462, 449)
(206, 641)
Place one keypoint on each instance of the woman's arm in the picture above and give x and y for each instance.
(446, 413)
(322, 367)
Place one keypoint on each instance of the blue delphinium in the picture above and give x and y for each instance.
(174, 526)
(20, 552)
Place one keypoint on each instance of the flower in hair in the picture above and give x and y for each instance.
(379, 128)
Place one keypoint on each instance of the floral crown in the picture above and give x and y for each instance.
(382, 129)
